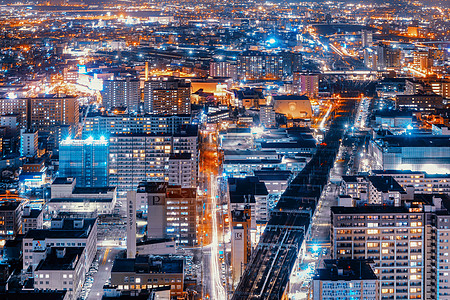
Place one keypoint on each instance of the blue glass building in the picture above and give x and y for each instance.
(86, 160)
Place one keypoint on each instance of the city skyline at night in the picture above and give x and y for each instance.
(224, 150)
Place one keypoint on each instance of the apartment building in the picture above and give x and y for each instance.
(408, 243)
(143, 157)
(105, 125)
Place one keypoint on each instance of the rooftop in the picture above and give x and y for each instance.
(343, 269)
(149, 264)
(61, 259)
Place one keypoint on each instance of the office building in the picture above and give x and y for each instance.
(345, 279)
(69, 199)
(105, 125)
(122, 93)
(419, 102)
(147, 272)
(86, 160)
(171, 211)
(167, 96)
(66, 233)
(62, 269)
(427, 153)
(240, 242)
(28, 143)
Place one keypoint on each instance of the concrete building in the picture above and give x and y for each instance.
(267, 116)
(32, 219)
(28, 143)
(68, 198)
(106, 125)
(408, 244)
(420, 182)
(45, 114)
(167, 95)
(345, 279)
(365, 233)
(62, 269)
(379, 190)
(419, 102)
(306, 84)
(11, 219)
(122, 93)
(147, 272)
(62, 233)
(182, 170)
(223, 68)
(240, 242)
(171, 211)
(250, 193)
(142, 157)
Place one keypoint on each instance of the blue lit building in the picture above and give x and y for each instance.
(86, 160)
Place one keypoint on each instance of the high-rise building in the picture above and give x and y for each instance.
(143, 157)
(122, 93)
(11, 219)
(167, 96)
(223, 69)
(366, 38)
(101, 125)
(42, 113)
(407, 242)
(306, 84)
(28, 143)
(86, 160)
(171, 211)
(263, 65)
(240, 242)
(267, 116)
(387, 57)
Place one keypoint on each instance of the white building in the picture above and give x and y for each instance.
(28, 143)
(62, 233)
(67, 198)
(63, 269)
